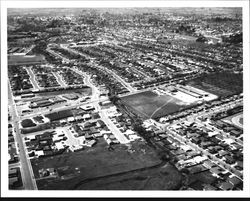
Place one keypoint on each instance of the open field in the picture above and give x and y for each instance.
(236, 120)
(151, 105)
(221, 84)
(158, 178)
(93, 162)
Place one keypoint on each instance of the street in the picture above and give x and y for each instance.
(95, 96)
(59, 79)
(28, 178)
(33, 79)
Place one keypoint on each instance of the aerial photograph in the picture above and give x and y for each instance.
(126, 98)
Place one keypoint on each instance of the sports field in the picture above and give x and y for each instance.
(236, 120)
(150, 105)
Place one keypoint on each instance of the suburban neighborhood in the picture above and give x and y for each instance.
(125, 99)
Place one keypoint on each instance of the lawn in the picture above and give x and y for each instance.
(150, 105)
(94, 162)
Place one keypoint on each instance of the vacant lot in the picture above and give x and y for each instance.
(221, 84)
(93, 162)
(150, 105)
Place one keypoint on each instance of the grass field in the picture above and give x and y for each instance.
(150, 105)
(162, 178)
(221, 84)
(94, 162)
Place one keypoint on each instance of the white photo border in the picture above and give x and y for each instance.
(5, 192)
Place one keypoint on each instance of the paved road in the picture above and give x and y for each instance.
(116, 132)
(59, 79)
(33, 78)
(95, 96)
(57, 55)
(28, 178)
(125, 84)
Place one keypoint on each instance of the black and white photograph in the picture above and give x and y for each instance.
(125, 98)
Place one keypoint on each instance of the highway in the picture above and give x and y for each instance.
(28, 178)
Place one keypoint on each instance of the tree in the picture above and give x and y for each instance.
(201, 39)
(114, 99)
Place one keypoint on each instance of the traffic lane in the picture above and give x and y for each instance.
(26, 169)
(25, 166)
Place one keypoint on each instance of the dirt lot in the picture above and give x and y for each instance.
(94, 162)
